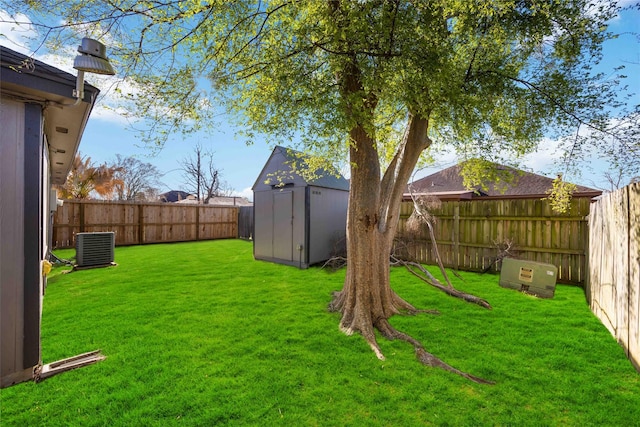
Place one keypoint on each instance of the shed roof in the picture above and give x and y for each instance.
(278, 171)
(448, 184)
(28, 80)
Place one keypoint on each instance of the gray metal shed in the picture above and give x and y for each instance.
(296, 221)
(41, 128)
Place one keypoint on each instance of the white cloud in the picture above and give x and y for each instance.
(247, 192)
(17, 32)
(106, 113)
(443, 158)
(62, 59)
(600, 3)
(112, 105)
(545, 159)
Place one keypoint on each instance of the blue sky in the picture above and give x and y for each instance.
(107, 134)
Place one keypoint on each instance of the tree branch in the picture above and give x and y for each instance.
(394, 181)
(549, 97)
(431, 280)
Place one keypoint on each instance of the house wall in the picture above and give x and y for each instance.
(34, 237)
(327, 221)
(11, 249)
(23, 169)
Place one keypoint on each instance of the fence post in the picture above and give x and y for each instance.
(197, 222)
(456, 235)
(587, 254)
(140, 224)
(82, 230)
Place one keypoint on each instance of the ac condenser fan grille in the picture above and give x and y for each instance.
(94, 249)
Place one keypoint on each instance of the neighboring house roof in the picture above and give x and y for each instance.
(217, 201)
(27, 80)
(448, 184)
(174, 196)
(230, 201)
(278, 172)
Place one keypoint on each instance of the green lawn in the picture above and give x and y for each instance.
(200, 334)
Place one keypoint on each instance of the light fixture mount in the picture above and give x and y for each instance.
(93, 58)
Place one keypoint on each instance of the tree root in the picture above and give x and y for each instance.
(431, 280)
(408, 308)
(335, 263)
(423, 356)
(424, 275)
(349, 326)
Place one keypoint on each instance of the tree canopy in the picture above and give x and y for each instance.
(493, 76)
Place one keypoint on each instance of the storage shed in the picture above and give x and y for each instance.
(297, 222)
(41, 126)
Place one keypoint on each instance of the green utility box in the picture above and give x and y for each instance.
(531, 277)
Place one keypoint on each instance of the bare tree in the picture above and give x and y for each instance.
(618, 179)
(137, 180)
(200, 174)
(225, 189)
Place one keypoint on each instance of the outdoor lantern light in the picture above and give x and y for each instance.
(92, 59)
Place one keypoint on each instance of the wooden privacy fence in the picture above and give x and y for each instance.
(613, 285)
(138, 223)
(468, 234)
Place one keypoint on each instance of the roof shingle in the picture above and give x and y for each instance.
(449, 181)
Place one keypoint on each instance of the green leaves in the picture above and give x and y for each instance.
(503, 70)
(559, 195)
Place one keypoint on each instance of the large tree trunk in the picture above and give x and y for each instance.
(366, 296)
(367, 300)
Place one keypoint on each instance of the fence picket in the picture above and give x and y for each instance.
(141, 223)
(613, 288)
(471, 229)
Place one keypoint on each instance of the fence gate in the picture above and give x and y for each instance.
(245, 222)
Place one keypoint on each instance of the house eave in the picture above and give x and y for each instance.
(52, 89)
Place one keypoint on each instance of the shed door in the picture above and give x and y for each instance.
(283, 225)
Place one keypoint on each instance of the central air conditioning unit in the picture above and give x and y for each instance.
(529, 276)
(94, 249)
